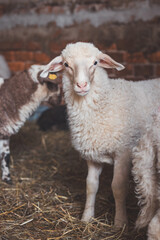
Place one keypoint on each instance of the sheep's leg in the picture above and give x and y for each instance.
(154, 227)
(120, 181)
(5, 160)
(145, 177)
(92, 184)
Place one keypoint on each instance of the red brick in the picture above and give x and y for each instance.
(16, 66)
(44, 9)
(9, 56)
(127, 72)
(5, 45)
(145, 71)
(57, 47)
(33, 46)
(111, 71)
(92, 7)
(133, 78)
(118, 56)
(51, 9)
(28, 64)
(158, 70)
(12, 45)
(1, 10)
(112, 47)
(18, 55)
(41, 58)
(155, 57)
(137, 57)
(96, 7)
(58, 10)
(23, 56)
(79, 8)
(20, 45)
(16, 46)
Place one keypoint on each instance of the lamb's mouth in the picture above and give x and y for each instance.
(82, 93)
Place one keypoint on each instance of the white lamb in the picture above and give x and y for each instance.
(146, 172)
(105, 117)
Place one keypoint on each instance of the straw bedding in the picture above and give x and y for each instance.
(47, 196)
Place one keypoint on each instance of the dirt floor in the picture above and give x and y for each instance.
(47, 197)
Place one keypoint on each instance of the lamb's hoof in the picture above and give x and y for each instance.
(120, 227)
(86, 219)
(120, 222)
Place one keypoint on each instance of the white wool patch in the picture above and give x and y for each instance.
(29, 108)
(4, 149)
(5, 170)
(1, 81)
(80, 50)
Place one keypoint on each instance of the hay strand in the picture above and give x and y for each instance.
(47, 197)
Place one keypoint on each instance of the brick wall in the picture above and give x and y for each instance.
(35, 31)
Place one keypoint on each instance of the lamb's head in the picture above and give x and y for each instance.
(49, 84)
(79, 62)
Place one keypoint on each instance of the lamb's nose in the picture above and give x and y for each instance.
(82, 85)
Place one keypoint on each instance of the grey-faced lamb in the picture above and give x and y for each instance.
(105, 117)
(146, 172)
(20, 95)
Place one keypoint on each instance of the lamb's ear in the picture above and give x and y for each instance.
(55, 65)
(106, 61)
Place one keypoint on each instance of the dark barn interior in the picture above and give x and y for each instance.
(47, 197)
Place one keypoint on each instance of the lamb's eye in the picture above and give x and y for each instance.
(66, 64)
(95, 63)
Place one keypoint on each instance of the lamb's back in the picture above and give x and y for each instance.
(111, 118)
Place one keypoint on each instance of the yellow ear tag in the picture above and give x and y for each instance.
(52, 76)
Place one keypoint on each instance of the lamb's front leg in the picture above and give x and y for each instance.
(122, 166)
(5, 160)
(92, 184)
